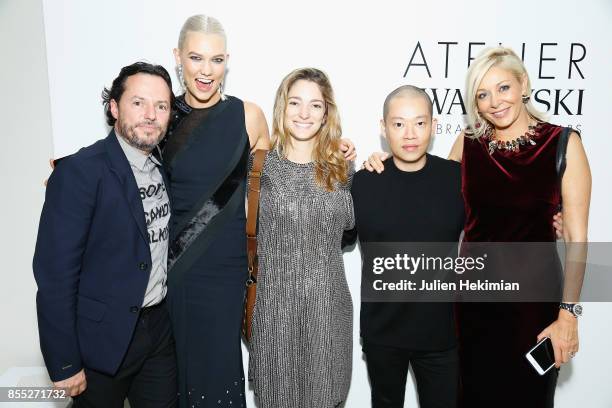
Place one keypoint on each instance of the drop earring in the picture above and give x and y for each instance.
(480, 126)
(179, 74)
(525, 98)
(221, 93)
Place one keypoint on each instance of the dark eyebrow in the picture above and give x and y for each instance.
(314, 100)
(158, 101)
(416, 117)
(200, 55)
(497, 84)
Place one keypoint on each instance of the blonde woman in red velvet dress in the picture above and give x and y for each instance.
(511, 192)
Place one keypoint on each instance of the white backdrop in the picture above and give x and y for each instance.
(367, 51)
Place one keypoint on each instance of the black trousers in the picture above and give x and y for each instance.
(147, 375)
(436, 373)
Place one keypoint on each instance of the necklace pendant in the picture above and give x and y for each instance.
(492, 146)
(512, 145)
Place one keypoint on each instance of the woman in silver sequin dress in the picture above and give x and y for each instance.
(301, 348)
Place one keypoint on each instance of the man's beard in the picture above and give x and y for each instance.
(141, 143)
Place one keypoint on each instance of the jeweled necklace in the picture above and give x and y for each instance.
(511, 145)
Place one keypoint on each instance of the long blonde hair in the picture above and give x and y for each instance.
(502, 57)
(330, 165)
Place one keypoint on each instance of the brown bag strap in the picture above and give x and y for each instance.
(253, 205)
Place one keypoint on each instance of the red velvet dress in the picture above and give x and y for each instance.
(509, 197)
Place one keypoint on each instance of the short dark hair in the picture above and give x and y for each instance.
(118, 86)
(407, 91)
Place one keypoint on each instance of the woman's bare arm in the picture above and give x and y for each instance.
(257, 127)
(456, 152)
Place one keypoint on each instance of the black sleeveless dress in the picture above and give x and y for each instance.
(206, 157)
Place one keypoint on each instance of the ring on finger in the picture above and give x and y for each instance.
(572, 354)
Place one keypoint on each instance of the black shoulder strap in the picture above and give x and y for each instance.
(560, 161)
(561, 150)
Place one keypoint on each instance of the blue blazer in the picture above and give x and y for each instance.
(92, 261)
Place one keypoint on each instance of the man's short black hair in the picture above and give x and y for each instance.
(118, 86)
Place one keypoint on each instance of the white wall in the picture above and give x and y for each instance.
(27, 146)
(365, 50)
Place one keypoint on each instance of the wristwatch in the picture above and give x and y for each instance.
(573, 308)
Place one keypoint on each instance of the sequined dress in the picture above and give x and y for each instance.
(301, 350)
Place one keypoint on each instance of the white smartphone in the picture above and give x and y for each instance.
(542, 356)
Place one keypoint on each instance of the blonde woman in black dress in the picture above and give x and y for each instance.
(206, 156)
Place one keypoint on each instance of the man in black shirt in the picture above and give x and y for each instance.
(417, 199)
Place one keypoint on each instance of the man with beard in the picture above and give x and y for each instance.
(101, 254)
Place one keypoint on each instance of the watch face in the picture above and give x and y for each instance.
(578, 310)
